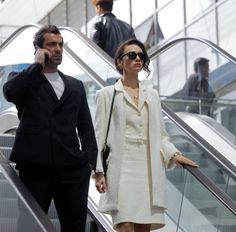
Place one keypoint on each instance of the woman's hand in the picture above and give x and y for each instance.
(181, 159)
(100, 182)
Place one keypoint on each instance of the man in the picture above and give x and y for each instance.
(109, 31)
(55, 146)
(197, 87)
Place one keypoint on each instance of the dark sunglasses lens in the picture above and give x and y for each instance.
(132, 55)
(141, 56)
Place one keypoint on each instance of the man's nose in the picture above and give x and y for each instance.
(58, 47)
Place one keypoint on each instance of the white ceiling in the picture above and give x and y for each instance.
(16, 13)
(23, 12)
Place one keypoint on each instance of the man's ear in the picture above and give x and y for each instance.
(99, 10)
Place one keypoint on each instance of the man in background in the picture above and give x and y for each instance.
(108, 31)
(197, 87)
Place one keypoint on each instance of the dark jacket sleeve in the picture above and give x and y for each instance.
(97, 32)
(15, 89)
(86, 130)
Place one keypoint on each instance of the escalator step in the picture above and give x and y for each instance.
(6, 140)
(6, 151)
(8, 208)
(8, 224)
(6, 190)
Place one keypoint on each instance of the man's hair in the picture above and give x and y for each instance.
(106, 5)
(199, 62)
(39, 36)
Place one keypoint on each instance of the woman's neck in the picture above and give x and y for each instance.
(131, 82)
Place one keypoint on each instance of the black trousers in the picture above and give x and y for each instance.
(67, 186)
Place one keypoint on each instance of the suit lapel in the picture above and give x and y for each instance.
(142, 95)
(49, 89)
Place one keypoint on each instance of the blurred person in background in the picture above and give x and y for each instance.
(108, 31)
(197, 87)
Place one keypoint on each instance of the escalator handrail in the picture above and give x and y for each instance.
(91, 45)
(25, 196)
(93, 75)
(225, 163)
(15, 34)
(155, 52)
(213, 188)
(101, 220)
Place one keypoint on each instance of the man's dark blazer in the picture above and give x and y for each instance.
(49, 128)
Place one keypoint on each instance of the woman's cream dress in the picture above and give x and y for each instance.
(134, 197)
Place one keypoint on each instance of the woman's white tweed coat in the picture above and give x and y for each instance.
(161, 150)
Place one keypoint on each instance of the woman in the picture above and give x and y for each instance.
(140, 147)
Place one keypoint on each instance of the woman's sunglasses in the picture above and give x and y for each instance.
(133, 55)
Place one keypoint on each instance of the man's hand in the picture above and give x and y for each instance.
(41, 55)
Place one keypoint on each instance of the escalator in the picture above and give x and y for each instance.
(215, 211)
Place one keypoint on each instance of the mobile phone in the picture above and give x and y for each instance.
(46, 58)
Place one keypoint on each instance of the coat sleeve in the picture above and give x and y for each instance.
(167, 148)
(100, 126)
